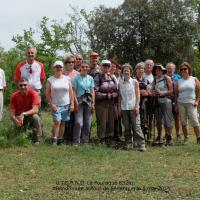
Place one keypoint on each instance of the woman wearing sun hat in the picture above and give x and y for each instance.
(162, 89)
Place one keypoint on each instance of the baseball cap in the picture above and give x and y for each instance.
(58, 62)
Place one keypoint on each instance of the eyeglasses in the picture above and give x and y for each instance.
(78, 58)
(183, 69)
(30, 70)
(22, 85)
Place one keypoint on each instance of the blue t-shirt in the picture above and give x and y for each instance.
(175, 78)
(83, 84)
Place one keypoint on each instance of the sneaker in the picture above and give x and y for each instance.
(142, 148)
(186, 141)
(128, 146)
(54, 141)
(198, 140)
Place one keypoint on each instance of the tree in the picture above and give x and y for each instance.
(139, 29)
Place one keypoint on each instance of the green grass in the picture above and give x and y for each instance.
(34, 172)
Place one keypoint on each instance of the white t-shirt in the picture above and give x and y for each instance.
(60, 90)
(2, 79)
(127, 92)
(187, 90)
(149, 77)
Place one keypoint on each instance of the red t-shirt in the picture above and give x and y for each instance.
(22, 103)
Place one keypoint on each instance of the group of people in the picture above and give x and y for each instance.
(140, 98)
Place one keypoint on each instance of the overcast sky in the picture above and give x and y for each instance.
(17, 15)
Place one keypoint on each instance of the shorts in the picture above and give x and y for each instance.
(62, 113)
(187, 110)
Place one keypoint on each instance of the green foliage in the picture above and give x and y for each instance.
(10, 135)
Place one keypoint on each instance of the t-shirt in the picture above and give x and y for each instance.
(83, 84)
(71, 74)
(60, 90)
(127, 92)
(187, 90)
(34, 73)
(2, 79)
(149, 77)
(22, 103)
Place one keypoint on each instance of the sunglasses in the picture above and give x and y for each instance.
(58, 67)
(79, 59)
(183, 69)
(22, 85)
(70, 62)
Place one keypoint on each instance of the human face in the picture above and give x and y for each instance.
(70, 63)
(127, 73)
(118, 71)
(84, 69)
(148, 68)
(113, 68)
(139, 72)
(159, 72)
(94, 60)
(79, 60)
(170, 69)
(23, 87)
(58, 69)
(31, 55)
(184, 71)
(106, 68)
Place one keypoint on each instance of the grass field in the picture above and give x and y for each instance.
(96, 172)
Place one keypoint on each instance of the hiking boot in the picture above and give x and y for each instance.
(186, 141)
(142, 148)
(198, 140)
(60, 142)
(157, 142)
(36, 143)
(168, 140)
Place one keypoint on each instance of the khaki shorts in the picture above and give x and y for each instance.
(187, 110)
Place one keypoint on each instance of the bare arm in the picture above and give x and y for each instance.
(71, 96)
(137, 95)
(48, 96)
(197, 92)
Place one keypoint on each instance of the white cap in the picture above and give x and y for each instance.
(105, 62)
(58, 63)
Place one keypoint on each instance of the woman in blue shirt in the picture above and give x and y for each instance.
(83, 87)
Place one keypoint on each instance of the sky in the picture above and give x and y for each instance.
(17, 15)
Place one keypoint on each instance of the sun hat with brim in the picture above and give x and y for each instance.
(105, 63)
(156, 66)
(58, 63)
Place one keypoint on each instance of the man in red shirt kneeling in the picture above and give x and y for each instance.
(24, 108)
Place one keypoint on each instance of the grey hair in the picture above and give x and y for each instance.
(140, 64)
(170, 63)
(31, 47)
(127, 65)
(149, 61)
